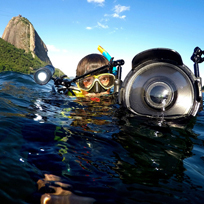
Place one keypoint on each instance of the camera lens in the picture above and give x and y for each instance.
(159, 95)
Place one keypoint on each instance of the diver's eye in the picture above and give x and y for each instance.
(87, 82)
(104, 80)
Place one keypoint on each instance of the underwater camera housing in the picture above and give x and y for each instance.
(159, 84)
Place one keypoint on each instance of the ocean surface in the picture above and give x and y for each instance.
(58, 149)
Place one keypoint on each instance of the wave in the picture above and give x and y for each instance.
(84, 144)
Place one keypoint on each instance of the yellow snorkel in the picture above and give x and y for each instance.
(104, 53)
(107, 56)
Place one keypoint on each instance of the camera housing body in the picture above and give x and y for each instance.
(160, 85)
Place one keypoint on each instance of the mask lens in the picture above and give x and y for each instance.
(107, 80)
(86, 83)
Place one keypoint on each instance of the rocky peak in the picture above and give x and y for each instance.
(21, 33)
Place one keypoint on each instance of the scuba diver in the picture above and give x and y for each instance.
(94, 87)
(90, 88)
(96, 74)
(98, 84)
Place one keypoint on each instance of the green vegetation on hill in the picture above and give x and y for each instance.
(58, 72)
(14, 59)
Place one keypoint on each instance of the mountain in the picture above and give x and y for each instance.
(22, 49)
(21, 33)
(14, 59)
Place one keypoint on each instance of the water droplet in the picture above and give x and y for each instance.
(21, 160)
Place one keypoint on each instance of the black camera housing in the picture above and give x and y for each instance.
(160, 85)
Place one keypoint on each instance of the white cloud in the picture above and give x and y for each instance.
(99, 25)
(118, 8)
(123, 16)
(96, 1)
(100, 2)
(102, 26)
(52, 48)
(115, 15)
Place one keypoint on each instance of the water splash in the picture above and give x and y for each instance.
(161, 115)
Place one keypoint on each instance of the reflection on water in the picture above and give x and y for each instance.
(64, 150)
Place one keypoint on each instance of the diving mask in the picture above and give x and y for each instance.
(106, 80)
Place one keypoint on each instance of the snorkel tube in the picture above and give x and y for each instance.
(107, 56)
(104, 53)
(115, 70)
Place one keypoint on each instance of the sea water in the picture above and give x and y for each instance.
(87, 150)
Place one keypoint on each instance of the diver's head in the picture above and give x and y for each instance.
(90, 63)
(97, 84)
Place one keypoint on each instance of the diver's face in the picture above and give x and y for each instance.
(96, 85)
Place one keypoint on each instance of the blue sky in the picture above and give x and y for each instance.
(72, 29)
